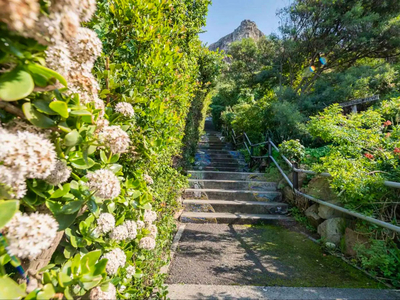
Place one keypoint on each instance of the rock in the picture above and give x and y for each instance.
(319, 187)
(312, 215)
(298, 201)
(352, 239)
(247, 29)
(332, 230)
(326, 212)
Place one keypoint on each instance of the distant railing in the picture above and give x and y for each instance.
(294, 183)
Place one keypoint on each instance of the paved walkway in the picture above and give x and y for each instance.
(216, 258)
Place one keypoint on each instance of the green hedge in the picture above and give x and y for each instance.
(93, 121)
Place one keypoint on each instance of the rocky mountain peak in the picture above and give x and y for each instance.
(247, 29)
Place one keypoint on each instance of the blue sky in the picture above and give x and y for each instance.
(224, 16)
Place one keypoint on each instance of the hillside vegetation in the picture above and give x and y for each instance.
(287, 87)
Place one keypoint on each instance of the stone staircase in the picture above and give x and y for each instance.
(222, 190)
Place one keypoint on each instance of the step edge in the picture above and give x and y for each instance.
(234, 215)
(234, 202)
(231, 191)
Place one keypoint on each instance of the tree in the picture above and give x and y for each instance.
(342, 31)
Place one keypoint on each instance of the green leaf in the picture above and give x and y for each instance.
(73, 138)
(103, 157)
(72, 207)
(115, 168)
(61, 192)
(54, 207)
(35, 117)
(7, 211)
(63, 279)
(80, 113)
(39, 80)
(100, 267)
(114, 158)
(64, 126)
(68, 294)
(46, 72)
(92, 205)
(81, 164)
(16, 85)
(135, 194)
(10, 289)
(43, 106)
(89, 260)
(65, 220)
(46, 293)
(60, 107)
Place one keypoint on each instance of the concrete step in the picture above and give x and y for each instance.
(225, 169)
(219, 194)
(229, 218)
(224, 156)
(233, 184)
(225, 160)
(218, 152)
(212, 143)
(214, 148)
(220, 292)
(209, 163)
(236, 206)
(246, 176)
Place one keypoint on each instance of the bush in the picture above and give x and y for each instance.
(93, 154)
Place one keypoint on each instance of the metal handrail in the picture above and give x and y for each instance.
(294, 184)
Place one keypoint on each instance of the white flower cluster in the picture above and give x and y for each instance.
(29, 235)
(148, 179)
(125, 109)
(60, 174)
(149, 216)
(119, 233)
(126, 231)
(19, 14)
(104, 184)
(114, 138)
(132, 229)
(140, 225)
(105, 222)
(98, 294)
(24, 155)
(130, 271)
(153, 231)
(72, 49)
(147, 243)
(116, 258)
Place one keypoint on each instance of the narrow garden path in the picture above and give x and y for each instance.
(239, 243)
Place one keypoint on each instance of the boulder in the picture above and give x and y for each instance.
(352, 239)
(326, 212)
(332, 230)
(312, 215)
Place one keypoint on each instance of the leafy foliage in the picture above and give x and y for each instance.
(153, 60)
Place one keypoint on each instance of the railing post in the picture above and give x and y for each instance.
(251, 155)
(269, 152)
(295, 179)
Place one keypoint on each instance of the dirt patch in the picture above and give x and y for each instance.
(218, 254)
